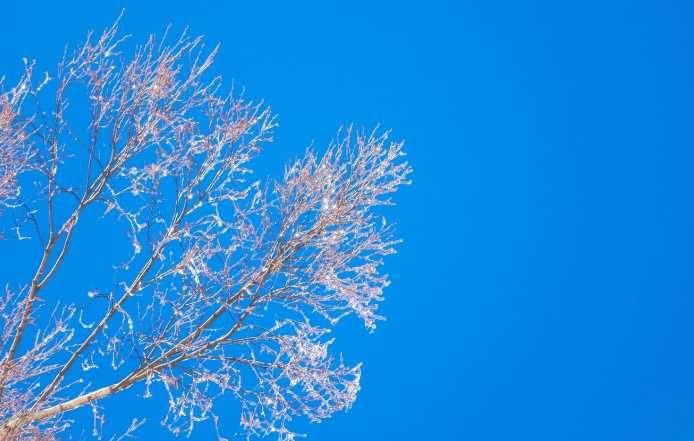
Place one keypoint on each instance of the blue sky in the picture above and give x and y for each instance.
(544, 288)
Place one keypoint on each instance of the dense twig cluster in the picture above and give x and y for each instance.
(16, 151)
(231, 285)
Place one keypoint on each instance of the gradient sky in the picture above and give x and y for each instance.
(544, 290)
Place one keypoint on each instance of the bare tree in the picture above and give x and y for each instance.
(231, 286)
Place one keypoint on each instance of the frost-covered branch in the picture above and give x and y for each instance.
(231, 285)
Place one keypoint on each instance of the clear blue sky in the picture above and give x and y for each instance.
(545, 288)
